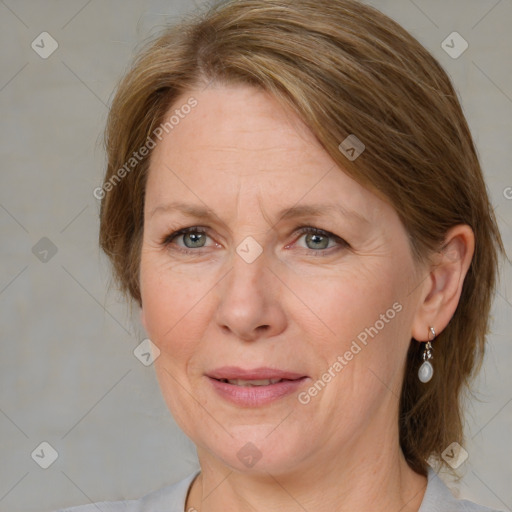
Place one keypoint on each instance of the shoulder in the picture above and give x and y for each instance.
(438, 498)
(171, 498)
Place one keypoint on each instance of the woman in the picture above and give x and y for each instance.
(294, 200)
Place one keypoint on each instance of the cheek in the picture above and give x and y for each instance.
(345, 303)
(175, 307)
(176, 311)
(360, 316)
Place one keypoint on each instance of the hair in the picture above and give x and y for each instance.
(344, 68)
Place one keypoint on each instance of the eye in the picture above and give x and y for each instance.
(319, 240)
(196, 237)
(188, 238)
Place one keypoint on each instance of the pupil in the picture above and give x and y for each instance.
(194, 239)
(318, 241)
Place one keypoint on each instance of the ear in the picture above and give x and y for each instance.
(442, 289)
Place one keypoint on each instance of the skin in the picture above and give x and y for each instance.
(296, 307)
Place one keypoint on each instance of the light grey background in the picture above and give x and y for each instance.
(68, 374)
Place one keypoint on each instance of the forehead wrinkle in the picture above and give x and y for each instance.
(237, 196)
(238, 147)
(240, 197)
(264, 214)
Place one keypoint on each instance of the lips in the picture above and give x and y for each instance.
(255, 382)
(254, 387)
(256, 376)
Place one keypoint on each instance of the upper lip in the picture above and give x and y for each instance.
(234, 372)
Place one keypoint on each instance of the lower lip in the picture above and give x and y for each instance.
(254, 396)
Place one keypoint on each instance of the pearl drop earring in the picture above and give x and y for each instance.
(426, 370)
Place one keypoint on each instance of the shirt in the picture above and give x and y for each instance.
(437, 498)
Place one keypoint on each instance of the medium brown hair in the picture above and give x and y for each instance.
(344, 68)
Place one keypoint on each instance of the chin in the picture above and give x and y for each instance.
(259, 448)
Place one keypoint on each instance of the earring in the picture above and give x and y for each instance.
(426, 369)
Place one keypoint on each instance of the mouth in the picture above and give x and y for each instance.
(256, 387)
(252, 383)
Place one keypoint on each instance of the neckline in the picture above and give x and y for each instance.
(436, 491)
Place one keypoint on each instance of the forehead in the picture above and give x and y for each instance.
(239, 143)
(237, 121)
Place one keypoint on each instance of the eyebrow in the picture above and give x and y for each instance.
(313, 210)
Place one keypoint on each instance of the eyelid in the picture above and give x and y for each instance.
(304, 230)
(169, 238)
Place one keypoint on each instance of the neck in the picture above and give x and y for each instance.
(368, 476)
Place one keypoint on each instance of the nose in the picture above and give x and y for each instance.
(250, 305)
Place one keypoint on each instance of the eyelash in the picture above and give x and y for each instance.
(304, 230)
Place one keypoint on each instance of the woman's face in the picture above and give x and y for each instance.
(288, 269)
